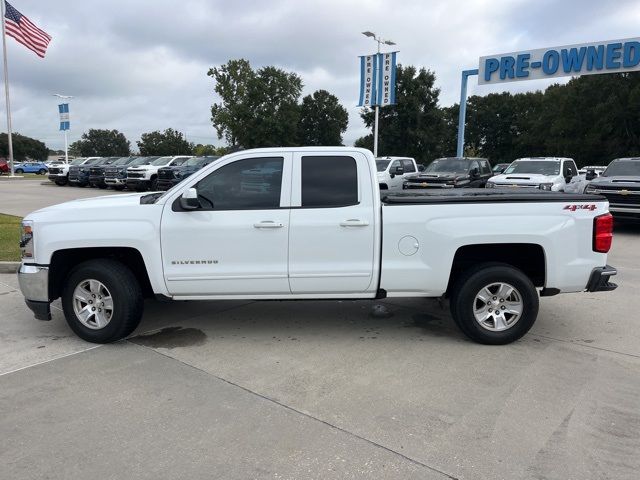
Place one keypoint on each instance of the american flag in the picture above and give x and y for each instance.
(24, 31)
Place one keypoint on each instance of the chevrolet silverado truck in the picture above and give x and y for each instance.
(145, 176)
(317, 228)
(59, 174)
(96, 172)
(545, 173)
(115, 175)
(620, 184)
(393, 171)
(452, 172)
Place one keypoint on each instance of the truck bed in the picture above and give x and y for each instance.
(483, 195)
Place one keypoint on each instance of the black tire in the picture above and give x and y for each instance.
(126, 294)
(153, 184)
(42, 171)
(119, 188)
(18, 171)
(61, 183)
(101, 186)
(463, 302)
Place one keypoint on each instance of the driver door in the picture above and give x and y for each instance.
(236, 242)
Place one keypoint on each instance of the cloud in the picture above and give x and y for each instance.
(141, 65)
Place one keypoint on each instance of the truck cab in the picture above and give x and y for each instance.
(393, 171)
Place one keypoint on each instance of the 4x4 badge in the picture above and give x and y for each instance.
(573, 208)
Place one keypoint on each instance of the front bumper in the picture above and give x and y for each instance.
(137, 182)
(34, 285)
(599, 279)
(115, 181)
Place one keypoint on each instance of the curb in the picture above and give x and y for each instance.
(9, 267)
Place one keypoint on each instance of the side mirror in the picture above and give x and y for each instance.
(591, 174)
(421, 168)
(189, 199)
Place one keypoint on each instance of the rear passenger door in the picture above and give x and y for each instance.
(332, 229)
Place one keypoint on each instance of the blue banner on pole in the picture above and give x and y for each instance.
(378, 80)
(63, 108)
(368, 80)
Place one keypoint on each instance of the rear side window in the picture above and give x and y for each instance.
(408, 166)
(329, 181)
(486, 168)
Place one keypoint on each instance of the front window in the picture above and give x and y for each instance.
(381, 165)
(250, 184)
(534, 167)
(623, 168)
(448, 165)
(161, 161)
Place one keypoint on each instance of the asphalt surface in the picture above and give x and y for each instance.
(238, 390)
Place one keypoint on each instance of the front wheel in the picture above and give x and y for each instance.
(494, 304)
(102, 301)
(42, 171)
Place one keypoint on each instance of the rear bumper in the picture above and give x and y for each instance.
(599, 279)
(34, 285)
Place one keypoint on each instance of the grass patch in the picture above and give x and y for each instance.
(9, 238)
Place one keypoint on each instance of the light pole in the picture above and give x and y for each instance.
(376, 107)
(66, 135)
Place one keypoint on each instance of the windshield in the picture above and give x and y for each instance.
(93, 160)
(77, 161)
(536, 167)
(500, 166)
(456, 165)
(161, 161)
(122, 161)
(179, 161)
(382, 165)
(623, 168)
(192, 162)
(143, 161)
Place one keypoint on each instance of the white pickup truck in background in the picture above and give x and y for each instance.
(393, 171)
(545, 173)
(309, 223)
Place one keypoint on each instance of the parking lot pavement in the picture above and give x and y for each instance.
(20, 197)
(325, 390)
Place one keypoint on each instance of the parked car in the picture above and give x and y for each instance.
(452, 172)
(96, 171)
(499, 168)
(145, 177)
(544, 173)
(393, 171)
(115, 175)
(79, 174)
(585, 176)
(59, 174)
(318, 229)
(597, 170)
(4, 167)
(30, 167)
(620, 184)
(172, 175)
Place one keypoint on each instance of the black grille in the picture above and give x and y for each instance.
(135, 174)
(165, 174)
(55, 171)
(622, 199)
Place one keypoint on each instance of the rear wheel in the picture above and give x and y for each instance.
(153, 184)
(19, 171)
(494, 304)
(102, 301)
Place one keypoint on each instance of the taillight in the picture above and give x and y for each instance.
(602, 233)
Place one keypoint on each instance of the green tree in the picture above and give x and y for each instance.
(169, 142)
(101, 143)
(209, 150)
(257, 108)
(415, 125)
(23, 147)
(322, 120)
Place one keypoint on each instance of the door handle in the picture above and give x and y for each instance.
(354, 222)
(268, 224)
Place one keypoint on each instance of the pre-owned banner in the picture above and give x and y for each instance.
(63, 108)
(368, 78)
(378, 80)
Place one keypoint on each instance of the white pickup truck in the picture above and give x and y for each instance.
(309, 223)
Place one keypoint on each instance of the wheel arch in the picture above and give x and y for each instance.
(63, 262)
(528, 257)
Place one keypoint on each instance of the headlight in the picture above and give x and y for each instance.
(546, 186)
(26, 239)
(490, 185)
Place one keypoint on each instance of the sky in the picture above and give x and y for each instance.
(139, 66)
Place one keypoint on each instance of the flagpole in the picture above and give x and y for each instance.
(6, 89)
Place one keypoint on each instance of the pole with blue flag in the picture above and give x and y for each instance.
(63, 108)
